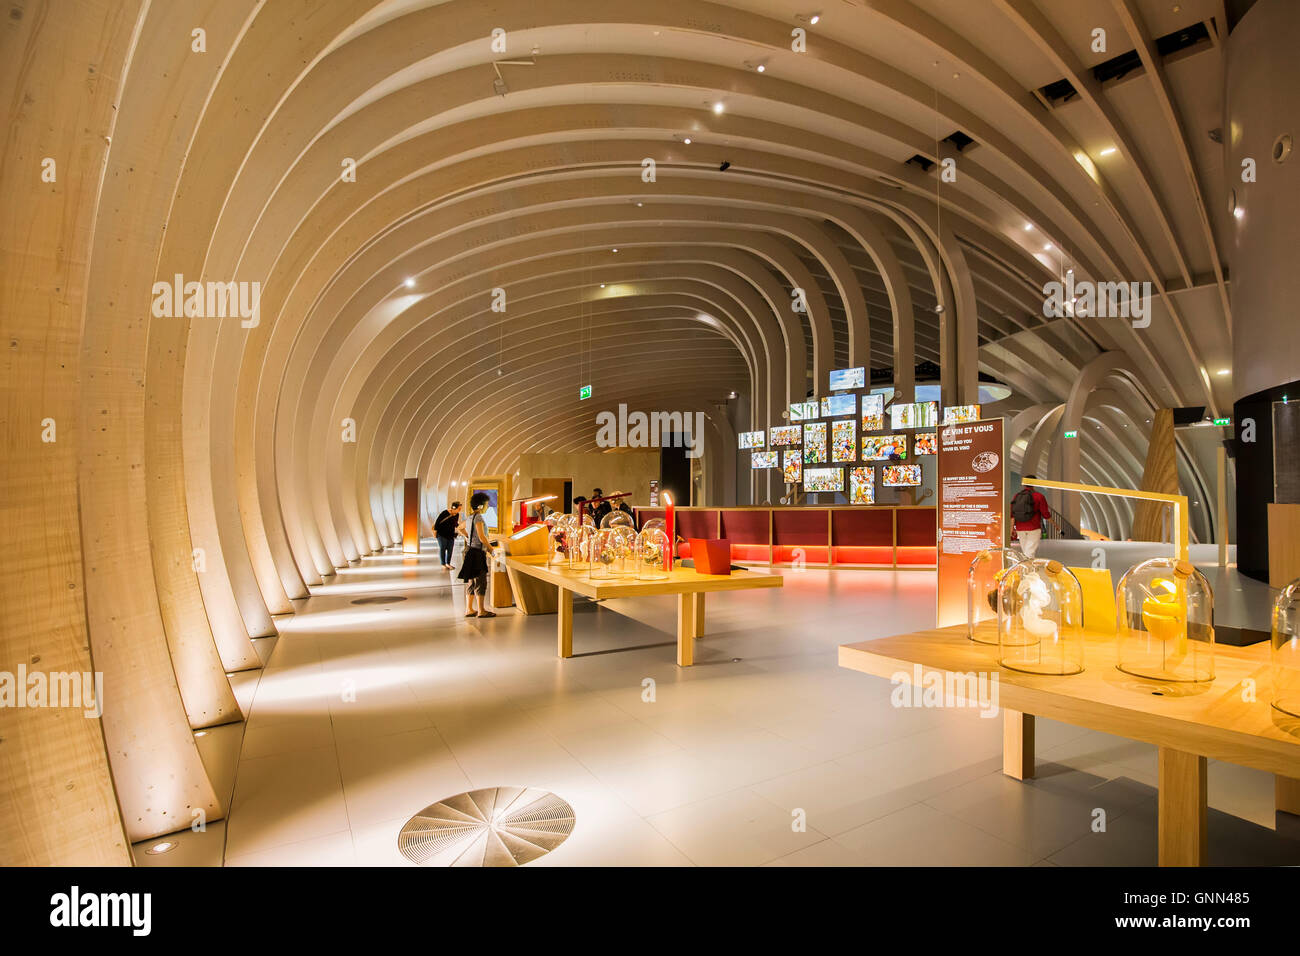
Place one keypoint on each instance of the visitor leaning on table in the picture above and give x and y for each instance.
(1028, 511)
(444, 529)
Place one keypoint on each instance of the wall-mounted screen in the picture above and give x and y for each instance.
(960, 414)
(823, 479)
(805, 411)
(751, 439)
(844, 441)
(916, 415)
(764, 459)
(873, 413)
(862, 486)
(883, 447)
(901, 476)
(814, 443)
(842, 378)
(925, 443)
(835, 405)
(786, 435)
(793, 466)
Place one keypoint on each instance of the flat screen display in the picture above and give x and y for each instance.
(793, 466)
(916, 415)
(823, 479)
(842, 378)
(883, 447)
(960, 414)
(786, 435)
(925, 443)
(844, 440)
(763, 459)
(751, 439)
(873, 413)
(862, 486)
(835, 405)
(805, 411)
(901, 476)
(814, 443)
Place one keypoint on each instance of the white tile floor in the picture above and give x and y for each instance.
(366, 714)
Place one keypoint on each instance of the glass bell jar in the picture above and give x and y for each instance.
(581, 539)
(617, 519)
(1165, 619)
(557, 544)
(986, 573)
(1286, 650)
(622, 542)
(1040, 618)
(651, 549)
(603, 552)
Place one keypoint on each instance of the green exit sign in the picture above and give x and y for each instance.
(1223, 421)
(1072, 434)
(584, 392)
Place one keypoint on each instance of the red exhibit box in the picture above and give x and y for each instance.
(711, 556)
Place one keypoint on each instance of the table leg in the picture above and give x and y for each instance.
(1182, 808)
(564, 622)
(1286, 794)
(1017, 744)
(686, 630)
(699, 615)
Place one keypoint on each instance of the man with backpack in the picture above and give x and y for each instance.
(1028, 509)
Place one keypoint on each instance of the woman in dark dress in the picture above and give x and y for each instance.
(474, 569)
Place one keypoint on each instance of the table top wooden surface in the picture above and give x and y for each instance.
(679, 581)
(1218, 719)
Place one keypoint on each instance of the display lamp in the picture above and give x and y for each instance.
(1165, 616)
(1040, 618)
(982, 580)
(1286, 650)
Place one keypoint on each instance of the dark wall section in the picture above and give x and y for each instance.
(675, 470)
(1255, 474)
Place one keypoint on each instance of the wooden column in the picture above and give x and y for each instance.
(1018, 744)
(564, 622)
(1182, 808)
(411, 516)
(1160, 474)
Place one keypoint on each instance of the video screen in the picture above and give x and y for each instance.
(844, 441)
(842, 378)
(901, 476)
(862, 486)
(764, 459)
(873, 413)
(814, 443)
(823, 479)
(918, 415)
(833, 405)
(883, 447)
(804, 411)
(793, 467)
(786, 435)
(751, 439)
(925, 443)
(960, 414)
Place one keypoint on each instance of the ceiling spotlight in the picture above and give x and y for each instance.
(410, 283)
(602, 285)
(687, 141)
(159, 848)
(761, 68)
(814, 19)
(938, 309)
(1239, 212)
(1107, 151)
(1047, 248)
(718, 107)
(726, 164)
(639, 205)
(1028, 226)
(732, 395)
(616, 250)
(1224, 371)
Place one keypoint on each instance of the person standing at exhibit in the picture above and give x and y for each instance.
(602, 509)
(444, 529)
(1028, 511)
(474, 570)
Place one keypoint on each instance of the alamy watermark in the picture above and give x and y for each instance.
(652, 430)
(1086, 299)
(53, 689)
(208, 300)
(946, 689)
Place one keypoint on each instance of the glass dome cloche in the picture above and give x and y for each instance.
(617, 519)
(1040, 618)
(582, 539)
(651, 551)
(982, 580)
(622, 543)
(1286, 650)
(1165, 621)
(602, 554)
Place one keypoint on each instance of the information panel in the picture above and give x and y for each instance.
(971, 481)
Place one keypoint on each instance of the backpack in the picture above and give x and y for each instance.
(1022, 505)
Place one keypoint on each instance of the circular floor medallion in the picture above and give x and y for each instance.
(379, 600)
(496, 826)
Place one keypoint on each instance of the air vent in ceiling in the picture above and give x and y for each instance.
(1055, 94)
(1180, 42)
(921, 161)
(958, 140)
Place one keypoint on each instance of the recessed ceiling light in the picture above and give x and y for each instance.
(687, 141)
(1047, 248)
(616, 250)
(1028, 226)
(410, 283)
(639, 205)
(761, 68)
(602, 285)
(718, 107)
(1224, 371)
(814, 18)
(1239, 212)
(1107, 151)
(159, 848)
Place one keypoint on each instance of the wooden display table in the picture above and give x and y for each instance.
(689, 585)
(1229, 719)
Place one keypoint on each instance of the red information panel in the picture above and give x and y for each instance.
(971, 506)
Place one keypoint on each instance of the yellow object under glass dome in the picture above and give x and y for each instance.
(1164, 612)
(601, 555)
(1040, 619)
(1286, 650)
(651, 552)
(982, 580)
(622, 542)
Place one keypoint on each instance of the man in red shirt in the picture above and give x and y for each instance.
(1028, 510)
